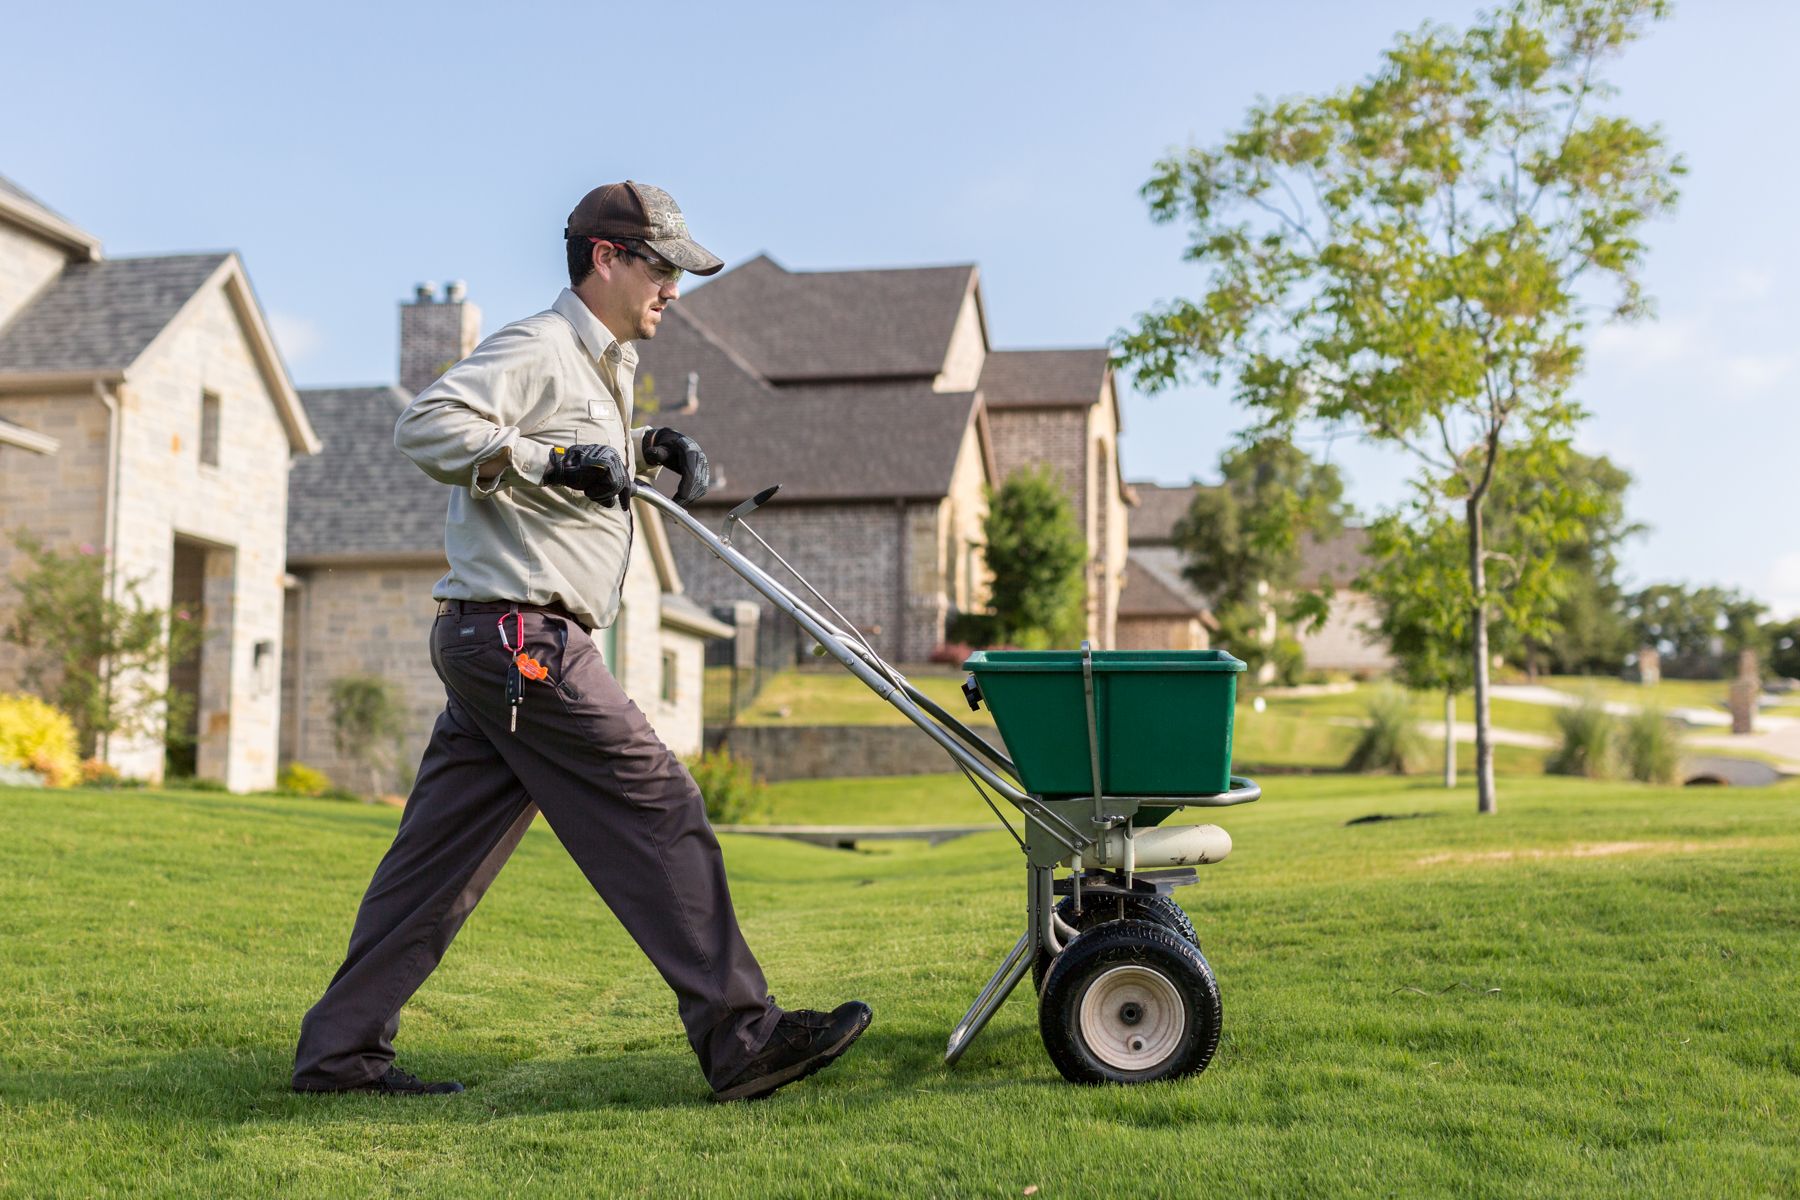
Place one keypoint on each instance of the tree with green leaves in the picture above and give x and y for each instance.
(368, 723)
(1243, 542)
(1588, 632)
(94, 647)
(1413, 258)
(1035, 559)
(1542, 539)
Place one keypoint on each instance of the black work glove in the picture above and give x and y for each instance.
(681, 454)
(597, 471)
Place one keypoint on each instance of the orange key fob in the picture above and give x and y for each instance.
(530, 667)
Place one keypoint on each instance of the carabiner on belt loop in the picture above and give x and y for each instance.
(519, 625)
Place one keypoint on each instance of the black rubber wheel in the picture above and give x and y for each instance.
(1130, 1002)
(1096, 910)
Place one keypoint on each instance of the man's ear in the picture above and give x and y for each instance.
(602, 257)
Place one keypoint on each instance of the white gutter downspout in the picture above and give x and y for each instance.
(110, 527)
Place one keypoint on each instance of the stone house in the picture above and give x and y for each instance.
(145, 412)
(874, 399)
(1162, 611)
(365, 546)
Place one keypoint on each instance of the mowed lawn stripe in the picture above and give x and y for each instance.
(1409, 1010)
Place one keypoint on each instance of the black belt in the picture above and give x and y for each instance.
(457, 608)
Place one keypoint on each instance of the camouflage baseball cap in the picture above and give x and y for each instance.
(647, 214)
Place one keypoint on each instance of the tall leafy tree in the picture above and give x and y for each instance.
(1035, 559)
(95, 648)
(1543, 539)
(1243, 542)
(1414, 257)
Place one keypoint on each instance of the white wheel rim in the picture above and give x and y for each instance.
(1132, 1018)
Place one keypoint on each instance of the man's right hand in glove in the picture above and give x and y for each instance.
(596, 471)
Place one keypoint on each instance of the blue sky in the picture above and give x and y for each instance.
(349, 151)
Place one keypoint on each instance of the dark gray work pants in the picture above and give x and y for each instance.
(623, 806)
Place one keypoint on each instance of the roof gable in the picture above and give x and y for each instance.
(21, 208)
(1044, 378)
(98, 319)
(362, 498)
(102, 316)
(797, 326)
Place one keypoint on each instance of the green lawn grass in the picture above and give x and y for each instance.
(1670, 693)
(1588, 995)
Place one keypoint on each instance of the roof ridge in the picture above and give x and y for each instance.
(726, 348)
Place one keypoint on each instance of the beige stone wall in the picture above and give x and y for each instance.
(1111, 519)
(965, 569)
(681, 724)
(27, 263)
(239, 508)
(1342, 644)
(359, 620)
(60, 498)
(967, 352)
(1162, 633)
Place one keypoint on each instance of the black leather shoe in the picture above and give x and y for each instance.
(399, 1083)
(804, 1041)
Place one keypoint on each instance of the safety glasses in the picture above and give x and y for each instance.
(659, 269)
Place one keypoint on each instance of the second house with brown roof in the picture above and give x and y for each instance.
(874, 399)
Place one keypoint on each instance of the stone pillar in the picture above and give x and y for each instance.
(1649, 666)
(743, 616)
(1746, 689)
(435, 334)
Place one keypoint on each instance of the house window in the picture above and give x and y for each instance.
(209, 428)
(671, 675)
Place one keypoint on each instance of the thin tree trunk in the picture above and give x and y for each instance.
(1484, 749)
(1449, 739)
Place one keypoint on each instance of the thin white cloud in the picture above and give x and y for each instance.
(297, 336)
(1650, 344)
(1752, 373)
(1751, 283)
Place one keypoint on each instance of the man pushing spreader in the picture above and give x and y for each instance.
(533, 431)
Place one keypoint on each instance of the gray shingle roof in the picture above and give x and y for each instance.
(1154, 586)
(1037, 378)
(359, 495)
(1153, 520)
(848, 441)
(1339, 558)
(799, 325)
(100, 316)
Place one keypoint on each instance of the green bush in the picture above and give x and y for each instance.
(39, 738)
(298, 779)
(1589, 734)
(192, 783)
(731, 789)
(368, 722)
(1391, 740)
(1650, 747)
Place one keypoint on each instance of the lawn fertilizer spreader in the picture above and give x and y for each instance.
(1104, 746)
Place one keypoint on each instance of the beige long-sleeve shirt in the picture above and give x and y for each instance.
(556, 379)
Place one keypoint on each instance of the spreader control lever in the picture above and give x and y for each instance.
(972, 693)
(745, 509)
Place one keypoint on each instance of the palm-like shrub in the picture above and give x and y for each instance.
(1588, 733)
(1390, 740)
(1650, 747)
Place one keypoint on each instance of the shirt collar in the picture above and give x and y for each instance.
(595, 337)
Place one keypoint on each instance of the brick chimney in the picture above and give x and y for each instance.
(434, 333)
